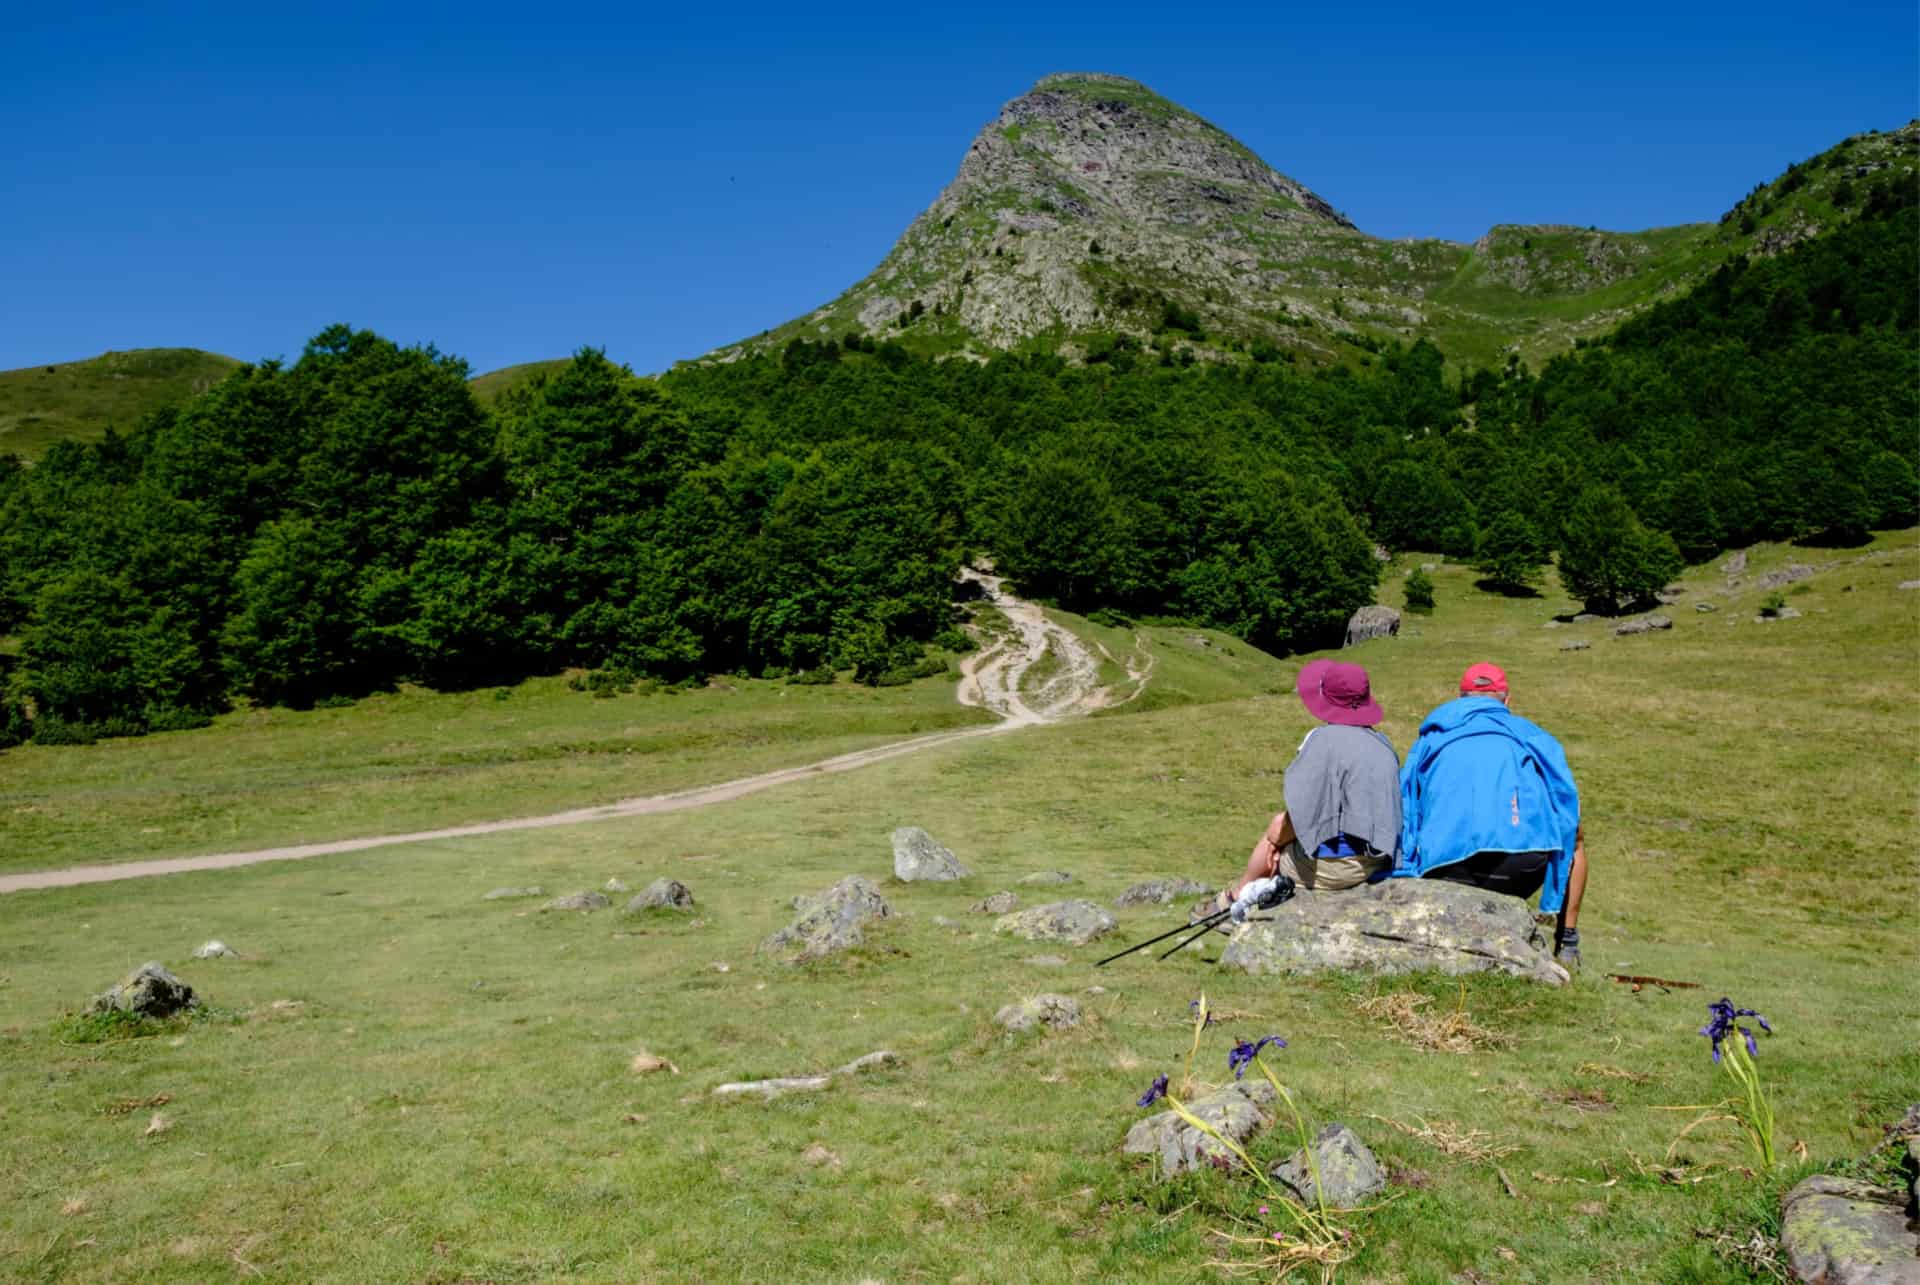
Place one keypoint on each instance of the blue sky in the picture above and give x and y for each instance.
(510, 183)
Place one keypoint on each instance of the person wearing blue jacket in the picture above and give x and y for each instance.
(1487, 798)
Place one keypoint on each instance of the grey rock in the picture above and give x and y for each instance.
(662, 894)
(1000, 903)
(1348, 1171)
(1161, 892)
(216, 950)
(782, 1085)
(582, 900)
(830, 921)
(1398, 926)
(1785, 576)
(615, 884)
(1736, 564)
(1047, 876)
(504, 894)
(1844, 1231)
(148, 991)
(1429, 566)
(917, 858)
(1644, 625)
(1584, 617)
(1554, 624)
(1054, 1012)
(1785, 613)
(1908, 584)
(1372, 622)
(1075, 922)
(1704, 606)
(1176, 1146)
(1576, 645)
(1047, 961)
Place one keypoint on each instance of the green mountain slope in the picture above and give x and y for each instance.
(489, 386)
(41, 405)
(1093, 212)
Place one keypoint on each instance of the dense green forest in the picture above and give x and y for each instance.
(315, 531)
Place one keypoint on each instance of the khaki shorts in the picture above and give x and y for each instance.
(1328, 874)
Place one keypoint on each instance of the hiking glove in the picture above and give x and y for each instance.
(1567, 949)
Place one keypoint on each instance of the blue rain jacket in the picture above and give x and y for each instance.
(1482, 779)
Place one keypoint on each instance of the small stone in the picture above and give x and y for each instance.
(818, 1156)
(662, 894)
(1000, 903)
(578, 901)
(1644, 625)
(1047, 961)
(157, 1125)
(504, 894)
(1055, 1012)
(1908, 584)
(615, 884)
(648, 1063)
(1074, 922)
(1048, 876)
(1096, 990)
(1576, 645)
(1161, 892)
(917, 858)
(1554, 624)
(1704, 606)
(216, 950)
(721, 966)
(1347, 1169)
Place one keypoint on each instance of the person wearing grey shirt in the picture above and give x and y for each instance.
(1342, 792)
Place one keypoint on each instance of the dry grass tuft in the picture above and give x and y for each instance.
(1277, 1255)
(1451, 1138)
(1454, 1031)
(1606, 1072)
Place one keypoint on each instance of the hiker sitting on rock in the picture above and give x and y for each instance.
(1487, 799)
(1342, 792)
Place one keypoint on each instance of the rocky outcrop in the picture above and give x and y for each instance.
(1845, 1231)
(1236, 1112)
(1075, 922)
(1644, 625)
(148, 991)
(1372, 622)
(829, 921)
(1399, 926)
(1785, 576)
(918, 858)
(1054, 1012)
(662, 894)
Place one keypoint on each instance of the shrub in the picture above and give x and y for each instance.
(818, 676)
(1419, 590)
(955, 640)
(51, 729)
(1773, 603)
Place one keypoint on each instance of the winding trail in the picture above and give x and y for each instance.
(990, 679)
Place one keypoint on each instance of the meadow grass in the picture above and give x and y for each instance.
(406, 1082)
(80, 400)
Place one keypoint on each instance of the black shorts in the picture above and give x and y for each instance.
(1517, 874)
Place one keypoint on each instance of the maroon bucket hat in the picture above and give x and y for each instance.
(1336, 692)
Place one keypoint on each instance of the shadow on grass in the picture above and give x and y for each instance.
(1506, 590)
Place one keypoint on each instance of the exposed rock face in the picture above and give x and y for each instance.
(1843, 1231)
(1372, 622)
(148, 991)
(1075, 922)
(1161, 892)
(830, 921)
(1055, 1012)
(783, 1085)
(1348, 1171)
(917, 857)
(1399, 926)
(1176, 1146)
(1785, 576)
(662, 894)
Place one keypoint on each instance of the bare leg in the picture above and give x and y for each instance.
(1576, 882)
(1265, 857)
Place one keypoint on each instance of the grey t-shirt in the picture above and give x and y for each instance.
(1344, 780)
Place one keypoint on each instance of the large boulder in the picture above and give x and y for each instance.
(1161, 892)
(1076, 922)
(1176, 1146)
(917, 858)
(1397, 926)
(1349, 1174)
(1844, 1231)
(1372, 622)
(829, 921)
(148, 991)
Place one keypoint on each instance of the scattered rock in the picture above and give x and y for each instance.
(1575, 645)
(1785, 576)
(1372, 622)
(1096, 990)
(1845, 1231)
(1554, 624)
(1348, 1171)
(1000, 903)
(148, 991)
(1584, 617)
(157, 1125)
(831, 920)
(615, 884)
(1398, 926)
(662, 894)
(1672, 593)
(1161, 892)
(1736, 564)
(917, 858)
(1055, 1012)
(1074, 922)
(1704, 606)
(216, 950)
(503, 894)
(1644, 625)
(1177, 1146)
(1047, 961)
(582, 900)
(1048, 876)
(647, 1063)
(1785, 613)
(771, 1089)
(818, 1155)
(1908, 584)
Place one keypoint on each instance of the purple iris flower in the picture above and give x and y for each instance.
(1193, 1006)
(1725, 1021)
(1155, 1091)
(1241, 1056)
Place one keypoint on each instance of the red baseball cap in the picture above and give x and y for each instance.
(1336, 692)
(1482, 678)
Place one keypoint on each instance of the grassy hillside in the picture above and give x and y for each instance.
(489, 386)
(41, 405)
(401, 1080)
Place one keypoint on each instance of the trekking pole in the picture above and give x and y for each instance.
(1204, 929)
(1265, 894)
(1202, 924)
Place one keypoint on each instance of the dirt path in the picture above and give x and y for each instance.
(990, 679)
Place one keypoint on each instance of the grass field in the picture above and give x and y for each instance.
(402, 1081)
(41, 405)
